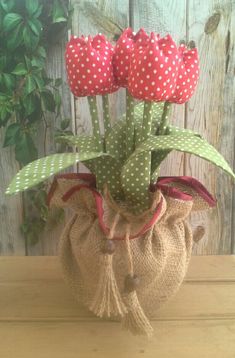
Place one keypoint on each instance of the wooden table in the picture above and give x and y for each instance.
(40, 319)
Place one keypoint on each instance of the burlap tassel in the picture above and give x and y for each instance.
(135, 319)
(107, 300)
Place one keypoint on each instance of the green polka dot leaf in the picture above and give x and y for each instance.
(83, 143)
(159, 156)
(135, 180)
(116, 139)
(41, 169)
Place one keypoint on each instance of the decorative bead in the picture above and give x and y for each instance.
(192, 44)
(109, 247)
(131, 282)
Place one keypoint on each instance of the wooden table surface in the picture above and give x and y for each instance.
(40, 319)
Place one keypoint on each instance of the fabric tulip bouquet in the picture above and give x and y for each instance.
(126, 248)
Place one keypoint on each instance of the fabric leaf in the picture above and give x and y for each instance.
(134, 176)
(41, 169)
(185, 143)
(83, 143)
(159, 156)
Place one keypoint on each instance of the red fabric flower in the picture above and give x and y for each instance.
(122, 54)
(154, 69)
(89, 66)
(187, 76)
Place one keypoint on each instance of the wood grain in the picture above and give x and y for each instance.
(210, 339)
(36, 292)
(211, 113)
(39, 317)
(11, 240)
(55, 67)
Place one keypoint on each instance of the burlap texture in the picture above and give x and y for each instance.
(159, 257)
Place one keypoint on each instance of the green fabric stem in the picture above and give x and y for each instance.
(165, 116)
(95, 121)
(147, 120)
(130, 124)
(106, 116)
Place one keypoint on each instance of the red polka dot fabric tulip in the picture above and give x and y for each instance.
(122, 54)
(89, 66)
(188, 75)
(154, 68)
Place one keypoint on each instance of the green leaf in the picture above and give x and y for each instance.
(38, 62)
(39, 81)
(184, 143)
(41, 51)
(58, 82)
(48, 100)
(36, 26)
(11, 21)
(58, 13)
(30, 39)
(25, 150)
(65, 123)
(11, 134)
(7, 5)
(57, 98)
(29, 103)
(20, 70)
(83, 142)
(30, 84)
(3, 62)
(9, 81)
(159, 156)
(15, 38)
(41, 169)
(38, 12)
(31, 6)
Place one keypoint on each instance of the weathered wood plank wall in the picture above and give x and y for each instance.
(210, 112)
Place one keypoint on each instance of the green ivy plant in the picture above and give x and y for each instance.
(27, 94)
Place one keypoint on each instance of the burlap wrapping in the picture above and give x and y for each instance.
(158, 251)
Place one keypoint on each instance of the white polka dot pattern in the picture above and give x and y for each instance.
(89, 66)
(192, 144)
(41, 169)
(188, 75)
(135, 180)
(122, 54)
(154, 68)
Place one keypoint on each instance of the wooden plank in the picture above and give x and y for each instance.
(210, 339)
(52, 300)
(164, 17)
(55, 67)
(40, 268)
(11, 240)
(32, 289)
(211, 113)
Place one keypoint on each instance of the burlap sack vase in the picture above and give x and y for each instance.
(120, 264)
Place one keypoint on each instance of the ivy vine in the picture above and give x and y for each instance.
(27, 30)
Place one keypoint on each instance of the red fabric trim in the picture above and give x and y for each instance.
(100, 212)
(187, 181)
(161, 184)
(174, 193)
(90, 178)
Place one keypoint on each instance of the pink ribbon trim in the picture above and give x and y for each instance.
(162, 184)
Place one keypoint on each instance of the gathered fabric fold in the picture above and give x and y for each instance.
(123, 265)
